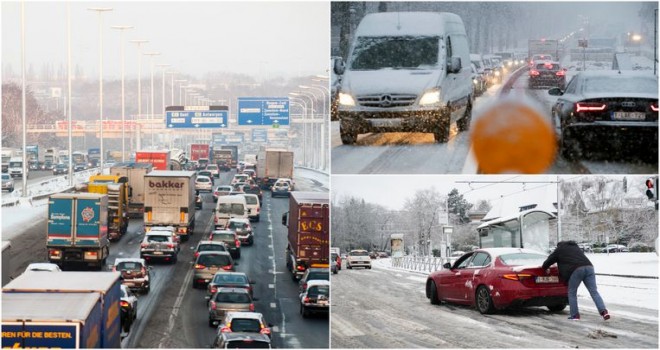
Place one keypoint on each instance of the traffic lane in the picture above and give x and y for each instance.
(256, 262)
(295, 331)
(599, 160)
(172, 308)
(359, 319)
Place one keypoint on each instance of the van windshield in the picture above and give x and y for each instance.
(397, 52)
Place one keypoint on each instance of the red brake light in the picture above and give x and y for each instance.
(144, 270)
(196, 254)
(214, 289)
(561, 73)
(143, 245)
(516, 276)
(170, 245)
(300, 268)
(213, 306)
(265, 330)
(123, 303)
(199, 266)
(251, 307)
(225, 330)
(306, 300)
(590, 107)
(654, 107)
(534, 72)
(228, 267)
(238, 243)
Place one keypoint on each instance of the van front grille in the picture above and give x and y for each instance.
(387, 100)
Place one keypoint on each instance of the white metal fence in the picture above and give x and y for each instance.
(421, 263)
(46, 187)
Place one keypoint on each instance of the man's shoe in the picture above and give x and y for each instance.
(605, 314)
(574, 317)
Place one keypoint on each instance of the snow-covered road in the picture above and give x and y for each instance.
(387, 308)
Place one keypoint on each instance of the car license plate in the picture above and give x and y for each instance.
(158, 253)
(323, 302)
(547, 279)
(628, 116)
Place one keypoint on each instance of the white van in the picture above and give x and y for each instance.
(16, 167)
(229, 207)
(253, 205)
(406, 71)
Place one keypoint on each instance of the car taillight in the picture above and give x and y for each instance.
(214, 289)
(238, 243)
(561, 73)
(225, 330)
(213, 306)
(306, 300)
(300, 268)
(114, 269)
(123, 303)
(199, 266)
(215, 219)
(265, 330)
(251, 307)
(534, 72)
(516, 276)
(144, 271)
(171, 246)
(654, 107)
(590, 107)
(258, 210)
(196, 254)
(143, 245)
(304, 286)
(228, 267)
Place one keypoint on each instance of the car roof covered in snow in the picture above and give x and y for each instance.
(409, 24)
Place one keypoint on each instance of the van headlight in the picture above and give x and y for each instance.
(475, 81)
(497, 73)
(346, 99)
(430, 97)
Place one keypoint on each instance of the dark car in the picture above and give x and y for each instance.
(207, 264)
(61, 169)
(498, 278)
(254, 189)
(241, 340)
(79, 167)
(128, 303)
(608, 111)
(313, 273)
(226, 279)
(135, 274)
(547, 74)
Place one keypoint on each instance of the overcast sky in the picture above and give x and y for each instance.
(262, 39)
(392, 191)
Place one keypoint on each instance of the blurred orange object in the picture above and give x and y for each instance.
(513, 137)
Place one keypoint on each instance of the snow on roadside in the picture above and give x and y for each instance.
(23, 216)
(314, 175)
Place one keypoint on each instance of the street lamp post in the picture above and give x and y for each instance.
(304, 128)
(139, 43)
(151, 115)
(68, 100)
(23, 109)
(311, 99)
(180, 81)
(100, 11)
(322, 147)
(123, 105)
(171, 73)
(304, 118)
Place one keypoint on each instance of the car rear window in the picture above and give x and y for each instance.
(319, 276)
(363, 253)
(213, 260)
(315, 291)
(234, 225)
(620, 84)
(250, 200)
(229, 278)
(547, 66)
(223, 237)
(523, 259)
(245, 325)
(203, 179)
(233, 297)
(212, 248)
(129, 266)
(156, 238)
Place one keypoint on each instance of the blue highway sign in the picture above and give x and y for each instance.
(263, 110)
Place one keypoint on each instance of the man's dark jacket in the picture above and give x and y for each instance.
(568, 257)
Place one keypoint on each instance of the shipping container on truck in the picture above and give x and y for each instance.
(234, 155)
(199, 151)
(135, 173)
(51, 157)
(77, 229)
(160, 160)
(169, 200)
(223, 158)
(116, 187)
(275, 164)
(51, 320)
(105, 286)
(308, 226)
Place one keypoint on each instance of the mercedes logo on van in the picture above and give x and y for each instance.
(386, 100)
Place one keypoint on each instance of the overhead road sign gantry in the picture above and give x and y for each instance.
(263, 111)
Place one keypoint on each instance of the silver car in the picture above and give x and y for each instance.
(7, 183)
(228, 300)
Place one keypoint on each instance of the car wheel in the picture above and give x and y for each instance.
(303, 311)
(347, 137)
(146, 289)
(557, 308)
(484, 301)
(464, 123)
(441, 129)
(334, 272)
(432, 293)
(175, 259)
(211, 322)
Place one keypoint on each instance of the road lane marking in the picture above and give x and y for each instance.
(273, 305)
(271, 286)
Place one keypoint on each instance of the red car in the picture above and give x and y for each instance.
(498, 278)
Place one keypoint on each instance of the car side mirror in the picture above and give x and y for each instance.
(339, 67)
(454, 65)
(555, 92)
(447, 266)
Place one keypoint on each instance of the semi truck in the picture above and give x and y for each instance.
(199, 151)
(543, 47)
(135, 173)
(223, 158)
(116, 187)
(169, 200)
(308, 232)
(77, 229)
(234, 155)
(99, 287)
(272, 165)
(51, 157)
(160, 160)
(7, 154)
(51, 320)
(32, 157)
(94, 156)
(63, 156)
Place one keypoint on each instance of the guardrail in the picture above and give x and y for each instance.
(421, 263)
(47, 187)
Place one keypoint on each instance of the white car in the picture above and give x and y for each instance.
(358, 258)
(287, 180)
(253, 206)
(240, 178)
(48, 267)
(203, 183)
(213, 168)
